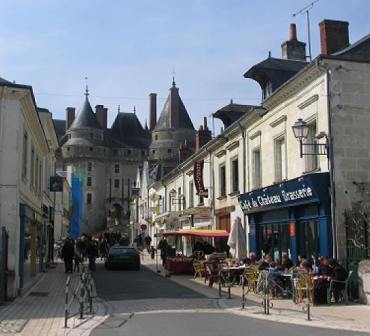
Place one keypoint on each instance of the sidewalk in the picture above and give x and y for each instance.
(353, 317)
(41, 310)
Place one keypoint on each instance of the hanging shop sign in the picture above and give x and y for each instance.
(305, 189)
(56, 183)
(198, 179)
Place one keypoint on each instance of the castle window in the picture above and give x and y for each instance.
(143, 152)
(89, 166)
(153, 151)
(89, 181)
(68, 148)
(169, 150)
(128, 152)
(116, 168)
(91, 149)
(88, 198)
(116, 183)
(156, 137)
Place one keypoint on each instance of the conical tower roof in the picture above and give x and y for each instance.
(174, 114)
(86, 117)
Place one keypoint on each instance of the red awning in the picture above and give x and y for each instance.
(198, 233)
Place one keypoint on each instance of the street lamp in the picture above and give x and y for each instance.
(301, 130)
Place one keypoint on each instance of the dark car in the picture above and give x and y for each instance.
(122, 257)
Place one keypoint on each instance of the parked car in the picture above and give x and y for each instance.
(121, 257)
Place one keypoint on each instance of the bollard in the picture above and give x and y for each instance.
(308, 301)
(66, 302)
(82, 294)
(243, 292)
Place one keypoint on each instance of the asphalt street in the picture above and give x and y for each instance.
(147, 304)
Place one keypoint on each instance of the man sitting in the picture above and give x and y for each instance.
(339, 274)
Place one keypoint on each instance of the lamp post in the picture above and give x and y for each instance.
(301, 131)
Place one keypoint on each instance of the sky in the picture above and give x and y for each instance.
(130, 48)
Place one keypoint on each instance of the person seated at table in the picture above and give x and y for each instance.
(251, 260)
(339, 274)
(301, 259)
(264, 264)
(286, 263)
(305, 267)
(324, 269)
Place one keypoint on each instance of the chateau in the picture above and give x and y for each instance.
(106, 160)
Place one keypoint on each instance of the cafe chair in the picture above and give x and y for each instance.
(250, 279)
(304, 282)
(199, 269)
(341, 294)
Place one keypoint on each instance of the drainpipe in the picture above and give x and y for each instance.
(331, 159)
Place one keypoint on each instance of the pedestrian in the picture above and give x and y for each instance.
(148, 241)
(92, 252)
(163, 246)
(103, 248)
(68, 254)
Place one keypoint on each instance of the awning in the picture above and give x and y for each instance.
(198, 233)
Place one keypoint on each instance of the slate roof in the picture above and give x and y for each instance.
(232, 112)
(60, 127)
(85, 117)
(127, 130)
(359, 50)
(2, 80)
(275, 70)
(164, 121)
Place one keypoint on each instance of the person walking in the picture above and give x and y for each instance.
(68, 252)
(163, 246)
(92, 252)
(148, 241)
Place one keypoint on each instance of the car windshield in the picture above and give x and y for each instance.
(122, 250)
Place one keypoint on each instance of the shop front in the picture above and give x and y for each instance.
(291, 217)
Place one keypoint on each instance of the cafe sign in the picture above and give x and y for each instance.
(198, 179)
(305, 189)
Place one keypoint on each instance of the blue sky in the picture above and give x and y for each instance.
(130, 48)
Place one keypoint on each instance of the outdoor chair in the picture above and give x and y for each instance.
(212, 270)
(251, 278)
(342, 292)
(199, 269)
(304, 282)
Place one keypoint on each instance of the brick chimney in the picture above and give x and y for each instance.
(184, 152)
(70, 116)
(293, 49)
(152, 111)
(202, 136)
(101, 114)
(334, 36)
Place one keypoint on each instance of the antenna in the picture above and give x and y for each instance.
(307, 11)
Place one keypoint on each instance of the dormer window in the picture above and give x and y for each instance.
(267, 90)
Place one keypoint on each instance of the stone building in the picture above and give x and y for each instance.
(106, 160)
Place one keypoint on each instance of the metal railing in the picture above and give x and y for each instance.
(265, 283)
(82, 295)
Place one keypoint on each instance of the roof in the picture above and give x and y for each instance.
(359, 50)
(274, 70)
(127, 129)
(60, 127)
(165, 122)
(2, 80)
(232, 112)
(85, 117)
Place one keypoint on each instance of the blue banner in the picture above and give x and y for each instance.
(309, 188)
(77, 207)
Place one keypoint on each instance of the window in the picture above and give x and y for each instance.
(89, 166)
(91, 149)
(88, 198)
(153, 151)
(280, 159)
(116, 168)
(89, 181)
(311, 161)
(234, 175)
(25, 154)
(116, 183)
(169, 150)
(128, 152)
(68, 148)
(222, 181)
(156, 137)
(201, 200)
(40, 177)
(32, 168)
(191, 194)
(256, 168)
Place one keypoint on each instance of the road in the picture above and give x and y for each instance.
(145, 303)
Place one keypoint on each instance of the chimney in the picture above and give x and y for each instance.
(174, 106)
(184, 152)
(152, 111)
(203, 136)
(293, 49)
(101, 114)
(334, 36)
(70, 116)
